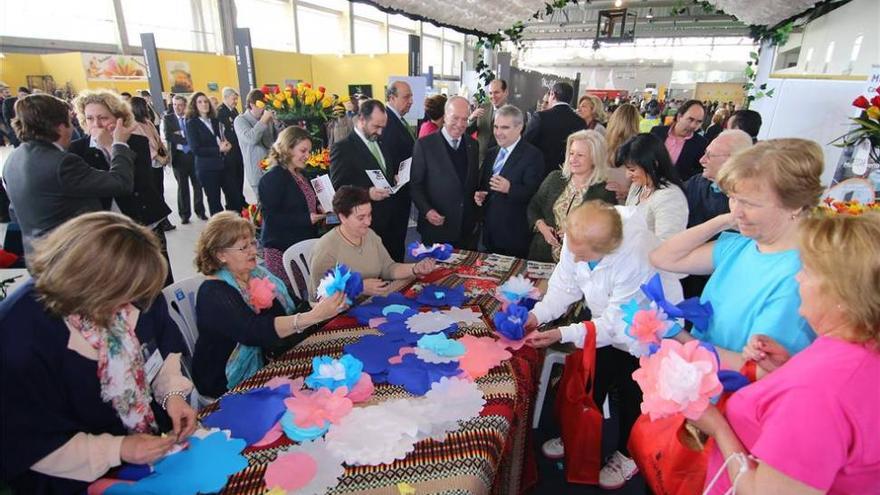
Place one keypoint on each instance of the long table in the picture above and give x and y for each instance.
(488, 454)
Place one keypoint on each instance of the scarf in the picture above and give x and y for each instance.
(246, 360)
(120, 368)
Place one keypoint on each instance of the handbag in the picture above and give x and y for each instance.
(162, 156)
(579, 418)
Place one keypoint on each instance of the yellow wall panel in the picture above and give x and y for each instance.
(15, 67)
(275, 67)
(337, 73)
(204, 68)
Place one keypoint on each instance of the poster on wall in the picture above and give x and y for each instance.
(103, 67)
(180, 77)
(360, 89)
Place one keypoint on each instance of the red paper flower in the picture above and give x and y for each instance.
(861, 102)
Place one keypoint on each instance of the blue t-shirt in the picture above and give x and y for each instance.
(753, 293)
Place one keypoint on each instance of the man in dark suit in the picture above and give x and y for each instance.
(482, 118)
(684, 145)
(182, 161)
(510, 176)
(233, 163)
(46, 184)
(445, 174)
(351, 158)
(748, 121)
(548, 129)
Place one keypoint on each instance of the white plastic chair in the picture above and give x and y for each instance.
(181, 300)
(301, 254)
(551, 358)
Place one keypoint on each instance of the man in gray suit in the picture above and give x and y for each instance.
(255, 128)
(47, 185)
(481, 120)
(444, 178)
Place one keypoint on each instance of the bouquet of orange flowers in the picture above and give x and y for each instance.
(253, 214)
(853, 207)
(300, 102)
(867, 125)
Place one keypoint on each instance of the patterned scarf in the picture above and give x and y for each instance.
(120, 368)
(246, 360)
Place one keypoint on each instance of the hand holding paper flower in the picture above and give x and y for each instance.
(516, 289)
(437, 251)
(511, 322)
(341, 279)
(334, 373)
(262, 292)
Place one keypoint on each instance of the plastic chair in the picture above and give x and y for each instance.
(551, 358)
(301, 254)
(181, 300)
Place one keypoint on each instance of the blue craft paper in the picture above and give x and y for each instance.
(353, 368)
(417, 376)
(204, 467)
(251, 414)
(732, 380)
(374, 309)
(440, 345)
(395, 308)
(133, 472)
(374, 351)
(690, 309)
(453, 296)
(298, 434)
(511, 323)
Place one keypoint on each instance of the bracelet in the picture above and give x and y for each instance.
(169, 395)
(413, 269)
(296, 322)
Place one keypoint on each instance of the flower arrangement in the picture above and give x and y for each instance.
(867, 125)
(341, 279)
(833, 206)
(298, 102)
(253, 214)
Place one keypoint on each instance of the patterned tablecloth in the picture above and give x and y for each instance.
(488, 454)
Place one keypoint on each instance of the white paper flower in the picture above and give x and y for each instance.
(375, 435)
(485, 17)
(680, 380)
(330, 467)
(465, 316)
(449, 402)
(431, 322)
(517, 288)
(430, 356)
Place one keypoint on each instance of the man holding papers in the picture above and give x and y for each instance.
(358, 160)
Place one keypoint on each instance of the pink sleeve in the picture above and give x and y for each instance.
(804, 435)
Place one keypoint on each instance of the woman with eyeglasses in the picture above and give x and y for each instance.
(243, 311)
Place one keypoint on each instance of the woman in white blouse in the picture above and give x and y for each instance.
(656, 189)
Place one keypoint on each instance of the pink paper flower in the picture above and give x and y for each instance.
(362, 390)
(678, 378)
(649, 325)
(262, 292)
(481, 355)
(315, 409)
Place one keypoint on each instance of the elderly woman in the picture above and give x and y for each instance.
(656, 189)
(98, 111)
(582, 178)
(290, 206)
(434, 110)
(208, 144)
(591, 109)
(752, 288)
(96, 376)
(811, 422)
(354, 244)
(242, 310)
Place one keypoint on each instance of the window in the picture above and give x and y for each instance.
(270, 22)
(177, 25)
(320, 31)
(432, 54)
(84, 20)
(369, 37)
(451, 58)
(398, 40)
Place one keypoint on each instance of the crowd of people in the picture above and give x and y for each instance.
(612, 203)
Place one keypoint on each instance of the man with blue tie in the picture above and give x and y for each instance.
(510, 176)
(182, 161)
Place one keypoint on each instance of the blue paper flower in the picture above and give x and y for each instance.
(417, 376)
(511, 323)
(298, 434)
(377, 304)
(439, 252)
(249, 415)
(374, 351)
(341, 279)
(690, 309)
(334, 373)
(440, 345)
(435, 295)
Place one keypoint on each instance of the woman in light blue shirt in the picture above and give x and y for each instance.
(752, 289)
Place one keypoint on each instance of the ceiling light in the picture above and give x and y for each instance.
(650, 13)
(618, 3)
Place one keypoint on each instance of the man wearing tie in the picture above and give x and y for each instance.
(233, 170)
(445, 174)
(481, 120)
(182, 162)
(350, 160)
(510, 176)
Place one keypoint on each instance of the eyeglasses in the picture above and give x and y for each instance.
(710, 156)
(245, 248)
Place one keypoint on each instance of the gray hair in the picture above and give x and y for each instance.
(512, 112)
(227, 92)
(452, 100)
(391, 89)
(736, 140)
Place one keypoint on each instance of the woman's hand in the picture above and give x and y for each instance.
(766, 352)
(710, 422)
(424, 267)
(544, 339)
(620, 191)
(329, 307)
(142, 448)
(376, 287)
(317, 217)
(548, 233)
(183, 417)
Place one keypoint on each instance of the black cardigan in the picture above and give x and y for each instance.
(286, 216)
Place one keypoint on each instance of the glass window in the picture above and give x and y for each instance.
(428, 28)
(398, 40)
(320, 31)
(403, 21)
(173, 22)
(270, 22)
(451, 58)
(86, 20)
(452, 35)
(368, 12)
(432, 54)
(369, 37)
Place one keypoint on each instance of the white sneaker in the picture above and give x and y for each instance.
(617, 471)
(553, 448)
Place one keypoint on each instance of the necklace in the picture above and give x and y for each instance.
(358, 245)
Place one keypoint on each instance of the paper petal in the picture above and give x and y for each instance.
(298, 434)
(416, 376)
(481, 355)
(441, 345)
(435, 295)
(362, 390)
(430, 356)
(329, 467)
(430, 322)
(373, 351)
(465, 316)
(271, 436)
(291, 471)
(403, 352)
(251, 414)
(319, 407)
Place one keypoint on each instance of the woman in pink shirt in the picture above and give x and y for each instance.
(434, 108)
(812, 426)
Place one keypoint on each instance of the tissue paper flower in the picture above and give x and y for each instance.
(511, 322)
(362, 390)
(430, 322)
(375, 435)
(647, 326)
(465, 316)
(262, 292)
(341, 279)
(435, 295)
(335, 373)
(416, 376)
(690, 309)
(439, 252)
(316, 409)
(441, 345)
(249, 415)
(305, 469)
(298, 434)
(402, 352)
(515, 289)
(481, 355)
(678, 378)
(443, 408)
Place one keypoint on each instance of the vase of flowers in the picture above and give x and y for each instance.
(303, 106)
(866, 128)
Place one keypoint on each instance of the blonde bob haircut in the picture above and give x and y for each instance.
(223, 230)
(596, 142)
(96, 262)
(596, 213)
(118, 107)
(842, 251)
(287, 139)
(596, 104)
(622, 125)
(791, 167)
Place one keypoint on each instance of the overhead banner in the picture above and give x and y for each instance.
(153, 71)
(244, 61)
(103, 67)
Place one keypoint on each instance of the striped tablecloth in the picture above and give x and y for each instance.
(488, 454)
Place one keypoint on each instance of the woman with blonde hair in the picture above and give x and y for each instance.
(90, 373)
(591, 109)
(623, 124)
(582, 178)
(98, 111)
(245, 314)
(290, 206)
(719, 118)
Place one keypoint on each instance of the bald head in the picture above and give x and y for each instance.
(727, 144)
(593, 230)
(455, 117)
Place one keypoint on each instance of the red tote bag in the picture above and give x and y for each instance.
(579, 418)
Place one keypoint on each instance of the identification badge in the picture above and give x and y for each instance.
(153, 365)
